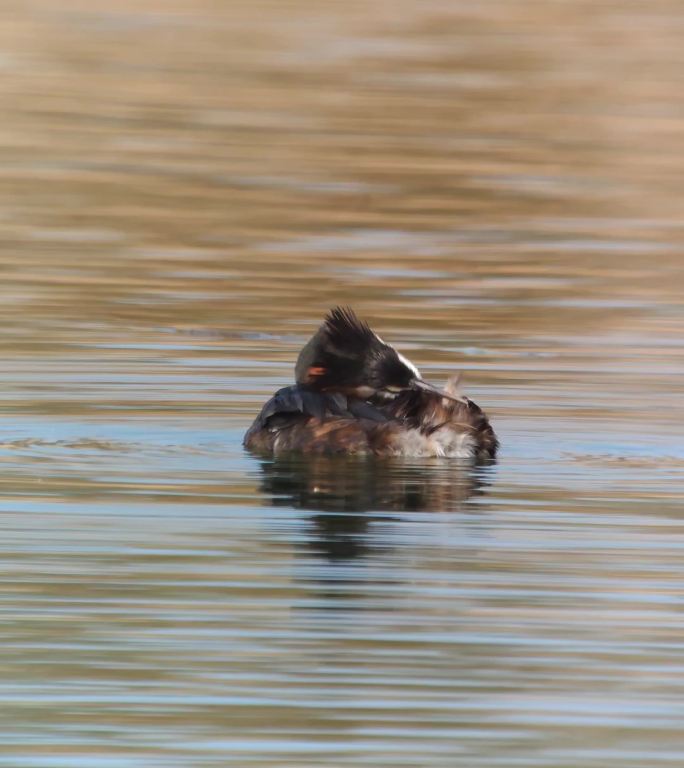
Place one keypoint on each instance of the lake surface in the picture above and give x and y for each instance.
(186, 188)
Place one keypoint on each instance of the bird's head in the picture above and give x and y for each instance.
(345, 355)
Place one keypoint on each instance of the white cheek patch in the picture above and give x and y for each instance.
(409, 365)
(406, 362)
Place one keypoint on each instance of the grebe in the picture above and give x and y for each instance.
(355, 394)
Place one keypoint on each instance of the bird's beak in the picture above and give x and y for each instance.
(420, 384)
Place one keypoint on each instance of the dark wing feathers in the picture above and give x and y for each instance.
(294, 399)
(295, 404)
(363, 410)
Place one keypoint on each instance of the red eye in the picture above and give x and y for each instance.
(317, 371)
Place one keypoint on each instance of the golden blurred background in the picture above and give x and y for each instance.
(185, 189)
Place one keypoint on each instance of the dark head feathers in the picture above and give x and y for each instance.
(346, 331)
(344, 354)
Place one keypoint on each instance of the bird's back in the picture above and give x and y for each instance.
(414, 424)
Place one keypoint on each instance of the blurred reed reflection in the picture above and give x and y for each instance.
(340, 489)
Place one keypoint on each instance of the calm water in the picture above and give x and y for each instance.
(186, 187)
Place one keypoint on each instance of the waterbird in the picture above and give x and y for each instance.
(354, 393)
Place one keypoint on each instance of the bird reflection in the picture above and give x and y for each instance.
(342, 490)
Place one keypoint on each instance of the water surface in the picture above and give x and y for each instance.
(186, 188)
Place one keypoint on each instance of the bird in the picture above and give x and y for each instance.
(355, 394)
